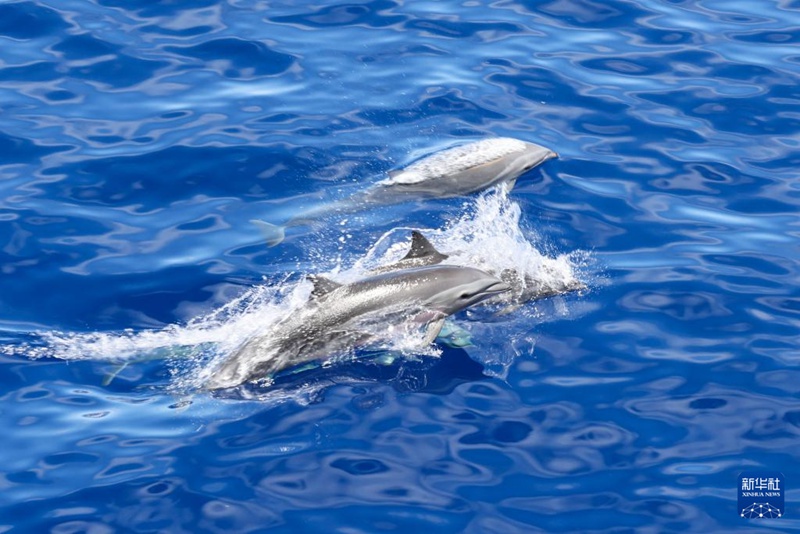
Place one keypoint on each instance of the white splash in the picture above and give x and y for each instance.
(193, 350)
(488, 236)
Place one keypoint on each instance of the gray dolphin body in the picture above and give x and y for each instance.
(335, 317)
(524, 287)
(449, 173)
(462, 170)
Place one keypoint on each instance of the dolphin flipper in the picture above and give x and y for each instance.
(454, 336)
(433, 329)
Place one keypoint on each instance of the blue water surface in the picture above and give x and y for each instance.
(138, 140)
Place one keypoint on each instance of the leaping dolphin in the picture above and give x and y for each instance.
(462, 170)
(453, 172)
(335, 317)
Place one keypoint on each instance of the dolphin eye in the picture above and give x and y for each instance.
(464, 295)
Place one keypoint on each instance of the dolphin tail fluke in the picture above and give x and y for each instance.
(273, 234)
(114, 373)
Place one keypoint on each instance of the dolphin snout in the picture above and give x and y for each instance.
(546, 155)
(538, 154)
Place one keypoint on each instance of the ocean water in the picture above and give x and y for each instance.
(139, 142)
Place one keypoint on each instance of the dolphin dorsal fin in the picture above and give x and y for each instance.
(422, 248)
(322, 285)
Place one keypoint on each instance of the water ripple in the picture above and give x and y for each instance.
(139, 139)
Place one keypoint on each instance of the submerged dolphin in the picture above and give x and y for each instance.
(524, 287)
(452, 172)
(337, 317)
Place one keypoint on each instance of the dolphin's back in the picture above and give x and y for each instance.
(470, 156)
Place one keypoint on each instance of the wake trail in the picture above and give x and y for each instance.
(487, 235)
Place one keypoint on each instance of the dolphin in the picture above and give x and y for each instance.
(453, 172)
(338, 317)
(462, 170)
(524, 287)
